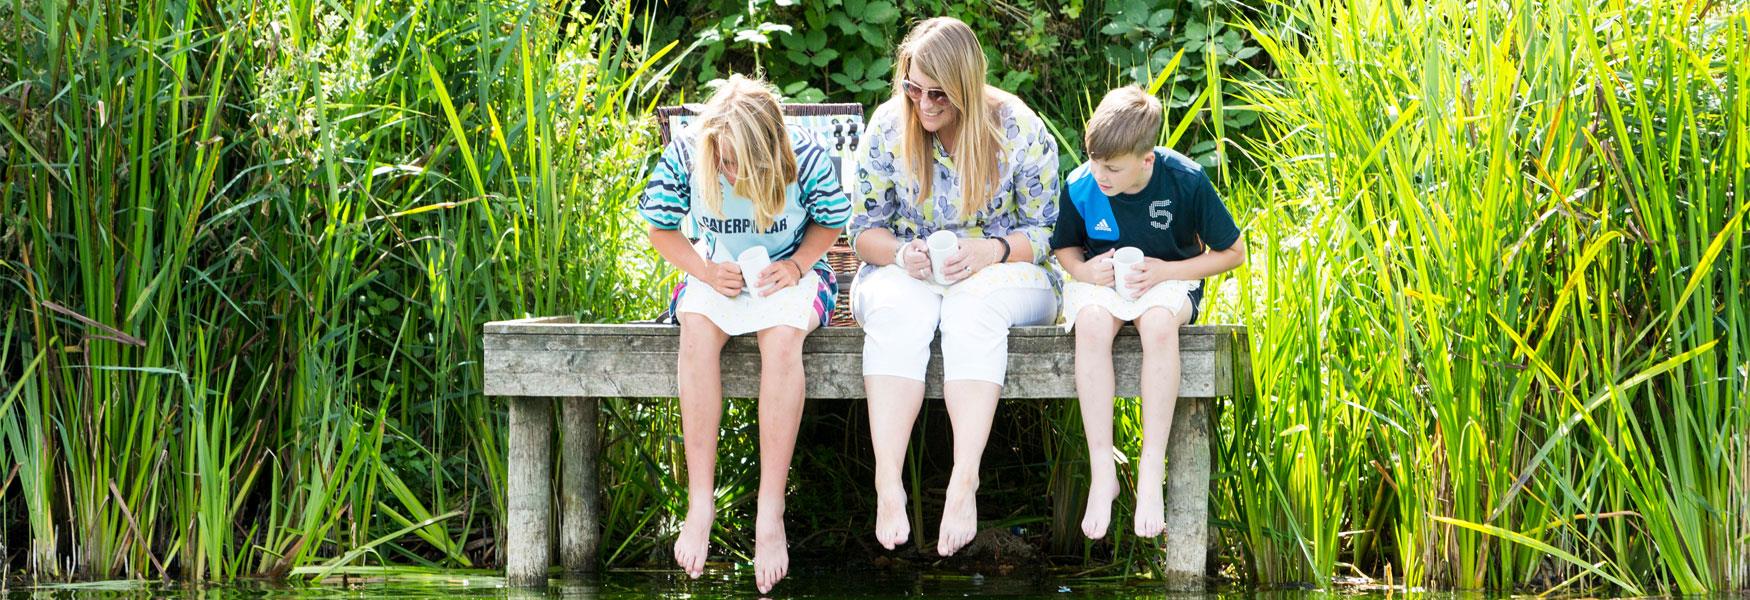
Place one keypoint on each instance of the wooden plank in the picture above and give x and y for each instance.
(1187, 497)
(568, 326)
(580, 527)
(830, 340)
(529, 494)
(644, 374)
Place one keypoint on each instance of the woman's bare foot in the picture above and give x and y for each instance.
(959, 515)
(891, 526)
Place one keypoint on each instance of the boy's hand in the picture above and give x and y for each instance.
(1151, 271)
(1097, 270)
(916, 260)
(725, 277)
(779, 276)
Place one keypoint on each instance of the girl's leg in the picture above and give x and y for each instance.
(781, 399)
(1095, 328)
(975, 354)
(1159, 329)
(701, 395)
(898, 315)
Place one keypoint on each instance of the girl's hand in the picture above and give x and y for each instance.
(1149, 273)
(1097, 270)
(974, 256)
(916, 260)
(725, 277)
(779, 276)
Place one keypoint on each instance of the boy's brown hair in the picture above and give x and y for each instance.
(1127, 122)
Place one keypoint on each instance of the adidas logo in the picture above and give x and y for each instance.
(1102, 226)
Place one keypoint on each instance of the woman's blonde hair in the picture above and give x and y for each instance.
(745, 111)
(946, 50)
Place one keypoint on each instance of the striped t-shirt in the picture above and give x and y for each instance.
(815, 197)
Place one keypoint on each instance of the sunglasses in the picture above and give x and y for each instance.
(916, 92)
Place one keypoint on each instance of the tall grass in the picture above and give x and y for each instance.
(248, 248)
(1497, 327)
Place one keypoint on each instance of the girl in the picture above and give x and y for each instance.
(745, 182)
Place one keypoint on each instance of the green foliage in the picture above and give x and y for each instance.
(1495, 293)
(1055, 55)
(248, 252)
(1495, 297)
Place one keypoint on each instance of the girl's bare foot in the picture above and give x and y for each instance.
(694, 543)
(771, 553)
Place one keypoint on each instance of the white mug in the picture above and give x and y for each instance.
(942, 246)
(753, 261)
(1123, 261)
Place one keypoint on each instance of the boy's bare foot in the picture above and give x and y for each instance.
(959, 515)
(771, 553)
(1099, 512)
(693, 545)
(1151, 514)
(891, 526)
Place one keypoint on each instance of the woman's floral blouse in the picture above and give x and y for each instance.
(1026, 197)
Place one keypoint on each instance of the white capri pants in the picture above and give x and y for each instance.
(900, 315)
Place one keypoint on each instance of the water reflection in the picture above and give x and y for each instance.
(665, 585)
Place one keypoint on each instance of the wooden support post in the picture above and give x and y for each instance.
(530, 501)
(580, 499)
(1187, 498)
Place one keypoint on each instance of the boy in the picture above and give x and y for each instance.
(1131, 194)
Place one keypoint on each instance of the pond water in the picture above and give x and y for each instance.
(652, 585)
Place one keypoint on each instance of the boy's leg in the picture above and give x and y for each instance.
(701, 395)
(1159, 329)
(781, 400)
(1095, 327)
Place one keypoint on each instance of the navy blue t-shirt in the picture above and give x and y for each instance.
(1175, 217)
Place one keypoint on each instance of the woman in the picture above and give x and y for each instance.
(947, 153)
(746, 183)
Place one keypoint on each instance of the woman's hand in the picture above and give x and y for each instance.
(725, 277)
(779, 276)
(974, 255)
(1097, 270)
(915, 259)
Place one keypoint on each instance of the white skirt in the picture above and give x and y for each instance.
(750, 312)
(1171, 295)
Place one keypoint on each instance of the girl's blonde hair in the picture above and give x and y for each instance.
(946, 50)
(745, 111)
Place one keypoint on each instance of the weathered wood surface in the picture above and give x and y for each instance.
(556, 359)
(580, 526)
(535, 360)
(1187, 497)
(530, 502)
